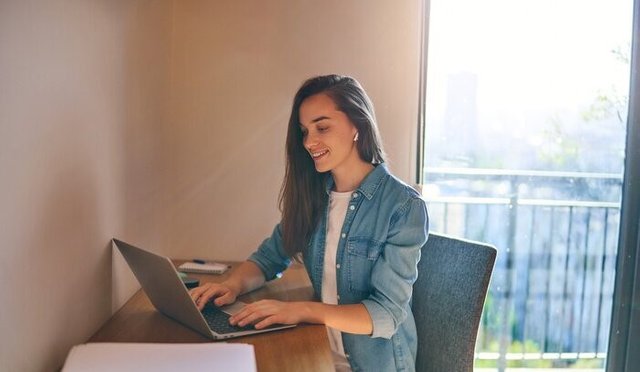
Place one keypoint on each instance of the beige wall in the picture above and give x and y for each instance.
(82, 92)
(236, 67)
(162, 123)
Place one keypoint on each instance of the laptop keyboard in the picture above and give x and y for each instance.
(218, 321)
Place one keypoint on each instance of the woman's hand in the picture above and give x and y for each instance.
(222, 293)
(267, 312)
(244, 278)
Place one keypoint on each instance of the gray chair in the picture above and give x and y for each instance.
(453, 277)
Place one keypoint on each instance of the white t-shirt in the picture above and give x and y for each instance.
(338, 203)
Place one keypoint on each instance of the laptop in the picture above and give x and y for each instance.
(162, 284)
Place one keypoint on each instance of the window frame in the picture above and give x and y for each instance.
(625, 320)
(422, 91)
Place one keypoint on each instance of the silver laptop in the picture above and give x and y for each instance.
(162, 284)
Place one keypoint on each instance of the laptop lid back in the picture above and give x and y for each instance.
(162, 284)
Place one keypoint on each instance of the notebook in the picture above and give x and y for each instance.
(203, 268)
(162, 284)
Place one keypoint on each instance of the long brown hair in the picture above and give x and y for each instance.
(303, 196)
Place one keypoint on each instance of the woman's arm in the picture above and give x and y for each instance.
(248, 276)
(245, 278)
(263, 265)
(384, 310)
(395, 271)
(346, 318)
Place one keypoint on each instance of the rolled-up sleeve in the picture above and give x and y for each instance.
(270, 256)
(396, 269)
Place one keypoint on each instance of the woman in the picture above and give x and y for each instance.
(357, 229)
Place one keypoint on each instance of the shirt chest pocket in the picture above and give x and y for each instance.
(362, 254)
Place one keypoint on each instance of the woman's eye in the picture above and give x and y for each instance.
(320, 129)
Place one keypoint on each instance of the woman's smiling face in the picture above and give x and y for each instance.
(328, 134)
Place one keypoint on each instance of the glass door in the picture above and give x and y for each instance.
(525, 117)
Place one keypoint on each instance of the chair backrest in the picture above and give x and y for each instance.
(453, 277)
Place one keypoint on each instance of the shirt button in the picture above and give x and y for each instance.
(347, 356)
(343, 235)
(355, 195)
(352, 207)
(338, 297)
(338, 266)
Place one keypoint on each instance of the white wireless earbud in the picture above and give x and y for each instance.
(356, 137)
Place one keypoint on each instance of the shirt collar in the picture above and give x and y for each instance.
(370, 183)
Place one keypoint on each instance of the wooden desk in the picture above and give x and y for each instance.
(303, 348)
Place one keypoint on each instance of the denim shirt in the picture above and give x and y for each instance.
(376, 265)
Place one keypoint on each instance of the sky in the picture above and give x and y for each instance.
(528, 55)
(533, 60)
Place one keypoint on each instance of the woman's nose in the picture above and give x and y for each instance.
(309, 141)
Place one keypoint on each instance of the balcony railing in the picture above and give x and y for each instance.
(550, 298)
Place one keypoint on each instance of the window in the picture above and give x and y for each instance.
(524, 143)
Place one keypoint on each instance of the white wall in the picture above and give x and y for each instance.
(162, 123)
(236, 67)
(82, 94)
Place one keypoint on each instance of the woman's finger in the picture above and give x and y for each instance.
(243, 315)
(256, 311)
(252, 318)
(235, 318)
(208, 294)
(270, 320)
(197, 292)
(225, 299)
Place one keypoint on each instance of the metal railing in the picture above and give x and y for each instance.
(549, 302)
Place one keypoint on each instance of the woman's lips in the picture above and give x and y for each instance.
(317, 155)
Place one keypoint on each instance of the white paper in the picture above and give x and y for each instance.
(138, 357)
